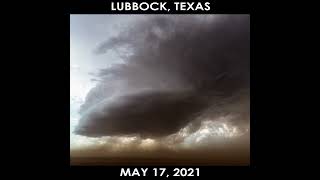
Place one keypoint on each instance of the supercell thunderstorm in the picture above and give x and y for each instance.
(183, 83)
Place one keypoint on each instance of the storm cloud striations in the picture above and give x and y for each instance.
(175, 70)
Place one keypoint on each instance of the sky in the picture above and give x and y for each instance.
(145, 85)
(86, 32)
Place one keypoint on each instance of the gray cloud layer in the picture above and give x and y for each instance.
(176, 69)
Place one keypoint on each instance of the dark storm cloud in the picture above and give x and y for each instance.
(149, 114)
(175, 69)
